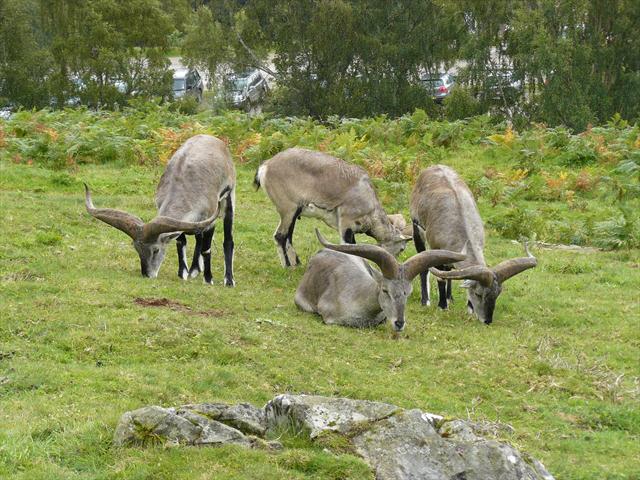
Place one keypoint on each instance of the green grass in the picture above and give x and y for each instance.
(560, 362)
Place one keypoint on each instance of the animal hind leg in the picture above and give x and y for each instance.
(181, 243)
(207, 238)
(424, 276)
(281, 237)
(228, 244)
(197, 264)
(290, 252)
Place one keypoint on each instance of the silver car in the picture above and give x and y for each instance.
(247, 89)
(439, 85)
(187, 82)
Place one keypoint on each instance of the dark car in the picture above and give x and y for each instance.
(187, 82)
(439, 85)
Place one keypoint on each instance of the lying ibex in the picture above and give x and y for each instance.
(304, 183)
(445, 214)
(197, 187)
(345, 290)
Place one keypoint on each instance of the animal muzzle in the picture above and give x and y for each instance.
(398, 324)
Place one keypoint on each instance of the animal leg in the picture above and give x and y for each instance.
(197, 264)
(227, 244)
(302, 302)
(424, 276)
(291, 254)
(469, 307)
(207, 237)
(443, 286)
(181, 243)
(281, 237)
(348, 236)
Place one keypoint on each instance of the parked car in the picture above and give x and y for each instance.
(439, 85)
(247, 89)
(501, 85)
(6, 112)
(187, 81)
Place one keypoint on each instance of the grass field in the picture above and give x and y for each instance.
(560, 363)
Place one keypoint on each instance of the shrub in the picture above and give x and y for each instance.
(460, 104)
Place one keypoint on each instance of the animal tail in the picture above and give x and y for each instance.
(257, 180)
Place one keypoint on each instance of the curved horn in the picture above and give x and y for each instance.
(387, 263)
(479, 273)
(129, 224)
(507, 269)
(164, 224)
(422, 261)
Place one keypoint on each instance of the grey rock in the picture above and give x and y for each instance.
(468, 431)
(173, 427)
(407, 446)
(243, 416)
(155, 425)
(397, 444)
(319, 414)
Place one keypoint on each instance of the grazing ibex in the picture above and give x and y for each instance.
(445, 214)
(196, 188)
(345, 290)
(304, 183)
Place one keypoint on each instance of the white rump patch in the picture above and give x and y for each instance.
(262, 171)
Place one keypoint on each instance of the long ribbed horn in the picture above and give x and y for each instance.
(480, 273)
(123, 221)
(163, 224)
(507, 269)
(424, 260)
(387, 263)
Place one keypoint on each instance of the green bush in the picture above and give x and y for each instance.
(460, 104)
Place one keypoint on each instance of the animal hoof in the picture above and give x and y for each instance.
(194, 273)
(208, 282)
(229, 282)
(184, 275)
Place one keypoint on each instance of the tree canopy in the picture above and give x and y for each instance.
(571, 62)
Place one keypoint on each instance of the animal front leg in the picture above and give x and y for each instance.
(207, 237)
(197, 264)
(349, 237)
(444, 287)
(181, 243)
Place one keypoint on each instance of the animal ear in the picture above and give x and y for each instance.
(400, 225)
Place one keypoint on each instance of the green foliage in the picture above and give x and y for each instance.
(460, 104)
(548, 183)
(187, 105)
(619, 232)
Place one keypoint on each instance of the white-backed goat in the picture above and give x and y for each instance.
(344, 289)
(196, 188)
(305, 183)
(446, 216)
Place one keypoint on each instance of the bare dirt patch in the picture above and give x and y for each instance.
(175, 306)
